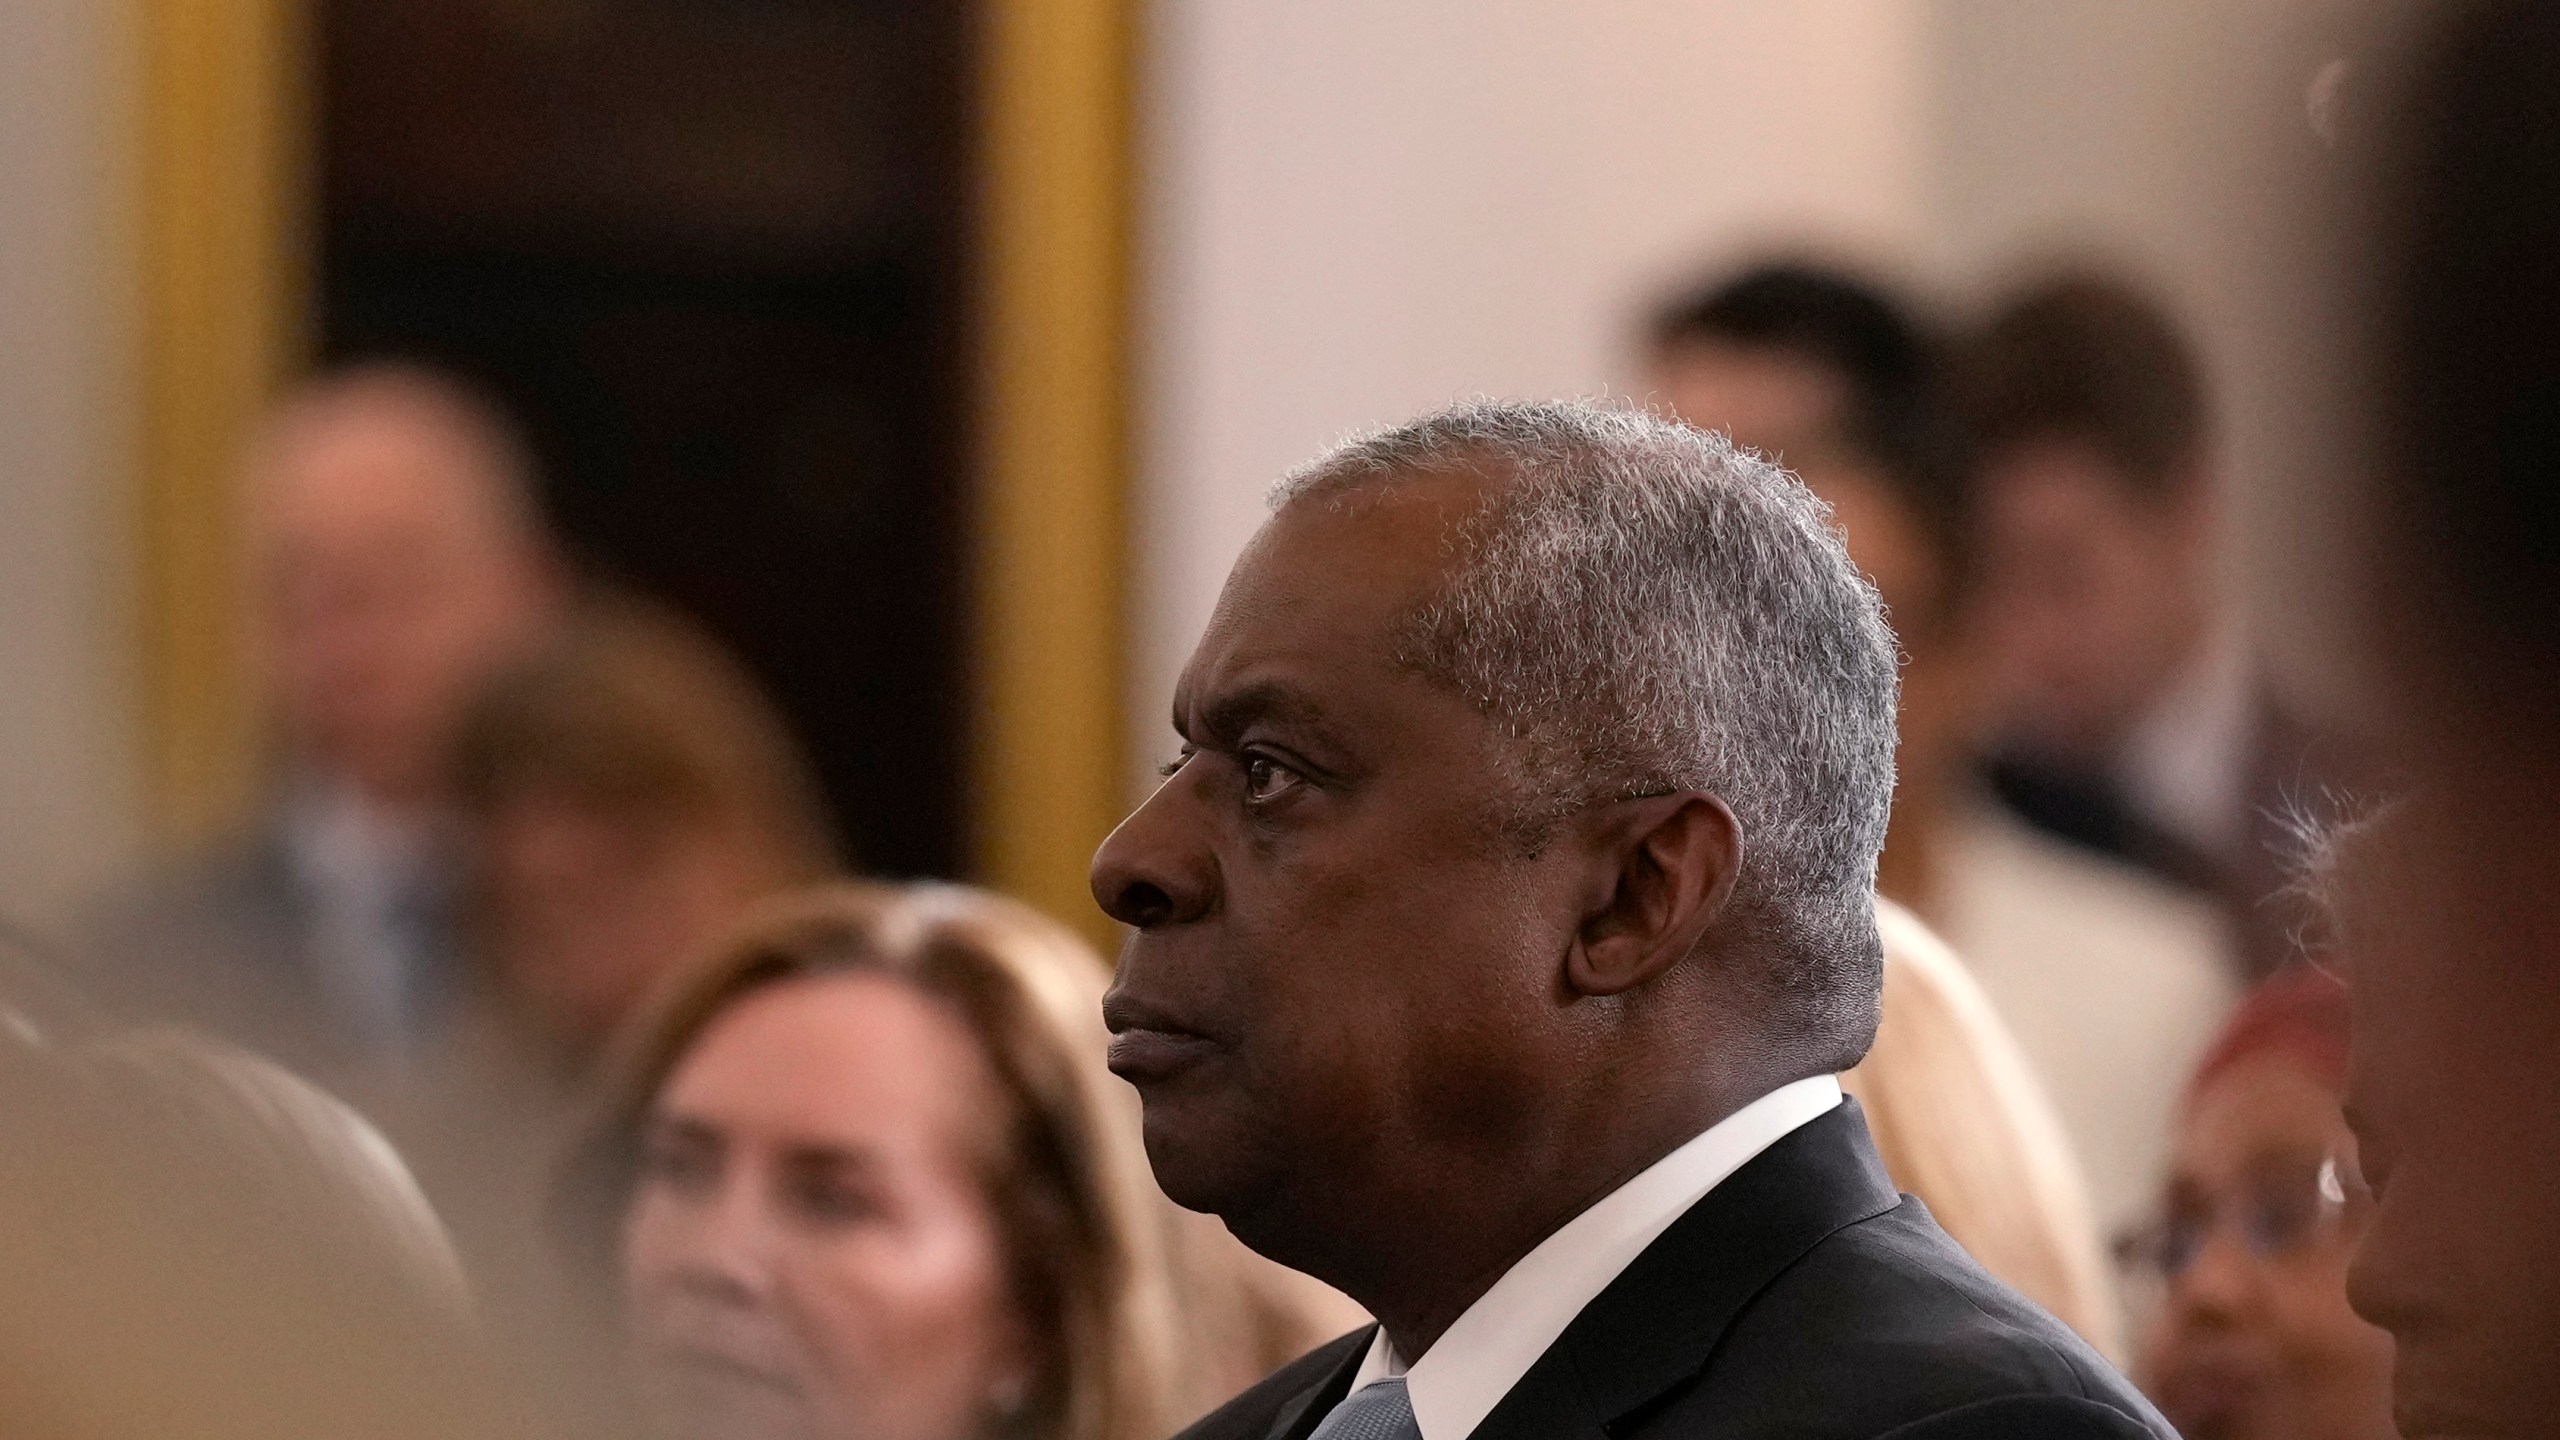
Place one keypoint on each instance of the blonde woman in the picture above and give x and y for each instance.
(1961, 1122)
(862, 1172)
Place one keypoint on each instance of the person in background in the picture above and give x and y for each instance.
(862, 1172)
(395, 558)
(623, 794)
(1960, 1122)
(625, 791)
(2249, 1335)
(2124, 708)
(2110, 979)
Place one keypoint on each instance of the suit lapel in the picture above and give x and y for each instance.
(1298, 1418)
(1659, 1322)
(1549, 1403)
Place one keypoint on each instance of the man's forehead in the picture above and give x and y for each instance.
(1313, 604)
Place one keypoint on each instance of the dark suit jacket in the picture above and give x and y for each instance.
(224, 940)
(1801, 1298)
(2291, 770)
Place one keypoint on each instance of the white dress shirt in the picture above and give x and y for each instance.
(366, 872)
(1459, 1380)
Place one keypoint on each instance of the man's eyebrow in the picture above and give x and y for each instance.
(1222, 718)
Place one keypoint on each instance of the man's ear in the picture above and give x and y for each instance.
(1663, 870)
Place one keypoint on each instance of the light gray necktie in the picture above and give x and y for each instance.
(1379, 1410)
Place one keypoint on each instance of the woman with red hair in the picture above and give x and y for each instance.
(2247, 1334)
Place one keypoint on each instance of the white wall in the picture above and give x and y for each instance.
(69, 792)
(2165, 137)
(1359, 211)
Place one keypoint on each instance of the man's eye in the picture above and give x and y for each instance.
(1266, 778)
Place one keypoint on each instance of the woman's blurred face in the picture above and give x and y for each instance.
(810, 1251)
(2254, 1340)
(588, 909)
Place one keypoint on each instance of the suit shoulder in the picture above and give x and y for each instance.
(215, 938)
(239, 882)
(2029, 1417)
(1255, 1412)
(1888, 1322)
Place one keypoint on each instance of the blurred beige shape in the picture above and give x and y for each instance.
(1961, 1122)
(196, 1245)
(269, 1112)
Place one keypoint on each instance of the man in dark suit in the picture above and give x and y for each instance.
(1499, 932)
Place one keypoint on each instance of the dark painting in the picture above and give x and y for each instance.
(712, 252)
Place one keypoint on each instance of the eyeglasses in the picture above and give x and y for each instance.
(2283, 1212)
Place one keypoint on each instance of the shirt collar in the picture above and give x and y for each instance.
(1459, 1380)
(350, 851)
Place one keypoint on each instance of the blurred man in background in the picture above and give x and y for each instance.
(2112, 980)
(2125, 710)
(395, 555)
(626, 791)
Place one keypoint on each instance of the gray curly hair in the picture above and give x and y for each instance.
(1646, 608)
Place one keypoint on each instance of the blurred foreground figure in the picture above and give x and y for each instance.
(2249, 1336)
(864, 1175)
(2125, 708)
(2452, 911)
(1501, 930)
(395, 557)
(194, 1245)
(2111, 979)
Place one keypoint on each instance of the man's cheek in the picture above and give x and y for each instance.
(1336, 1073)
(1474, 1094)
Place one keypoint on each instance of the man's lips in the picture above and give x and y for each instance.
(1139, 1056)
(1149, 1044)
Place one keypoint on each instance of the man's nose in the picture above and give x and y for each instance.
(2378, 1288)
(1157, 869)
